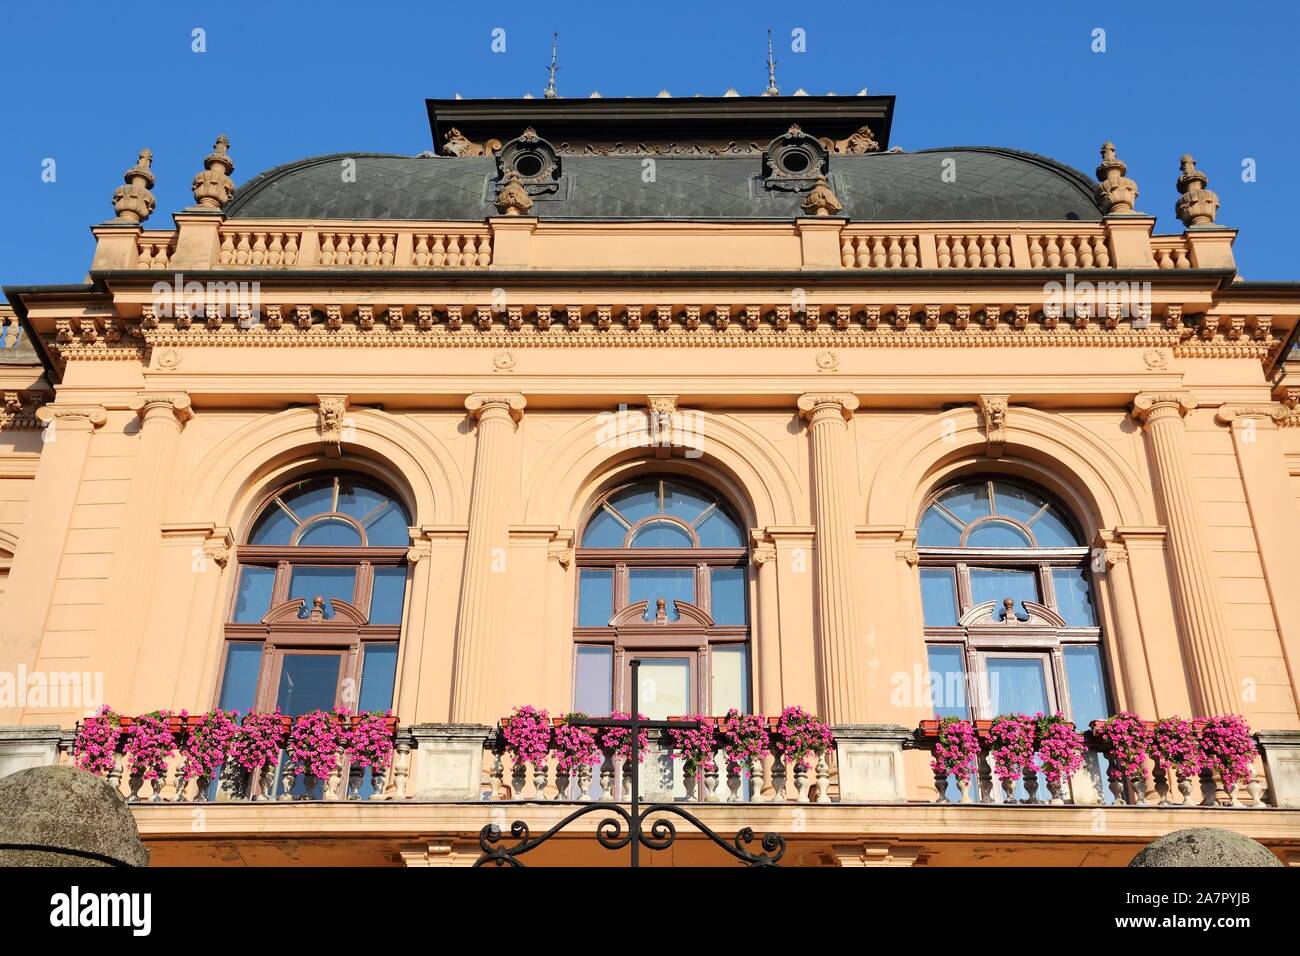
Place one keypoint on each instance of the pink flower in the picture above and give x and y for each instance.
(314, 744)
(1011, 745)
(696, 748)
(368, 742)
(743, 737)
(208, 744)
(149, 744)
(619, 739)
(576, 747)
(957, 750)
(1127, 741)
(1228, 748)
(1175, 747)
(527, 735)
(258, 741)
(799, 735)
(97, 740)
(1059, 747)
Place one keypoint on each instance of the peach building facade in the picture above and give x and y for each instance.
(787, 416)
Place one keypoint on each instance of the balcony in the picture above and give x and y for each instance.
(447, 781)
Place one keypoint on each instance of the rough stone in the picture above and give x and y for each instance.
(1204, 846)
(71, 813)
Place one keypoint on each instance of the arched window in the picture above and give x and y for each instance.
(662, 576)
(316, 611)
(1011, 625)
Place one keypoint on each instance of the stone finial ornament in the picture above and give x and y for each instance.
(1115, 191)
(1197, 205)
(213, 187)
(822, 201)
(134, 202)
(512, 199)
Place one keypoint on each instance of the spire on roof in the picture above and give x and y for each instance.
(772, 89)
(550, 93)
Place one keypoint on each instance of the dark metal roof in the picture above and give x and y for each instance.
(661, 119)
(989, 184)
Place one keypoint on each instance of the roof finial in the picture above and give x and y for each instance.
(772, 89)
(550, 93)
(134, 202)
(1197, 205)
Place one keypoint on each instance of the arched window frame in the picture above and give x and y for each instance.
(1038, 630)
(693, 633)
(334, 625)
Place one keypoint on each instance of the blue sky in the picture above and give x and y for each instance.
(88, 84)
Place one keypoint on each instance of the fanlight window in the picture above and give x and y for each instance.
(662, 576)
(1008, 604)
(319, 591)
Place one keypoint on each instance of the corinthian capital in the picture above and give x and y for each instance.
(1158, 404)
(820, 404)
(482, 402)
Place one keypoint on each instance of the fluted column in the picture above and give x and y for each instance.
(1136, 675)
(769, 628)
(841, 654)
(127, 657)
(486, 547)
(1275, 521)
(66, 443)
(1202, 622)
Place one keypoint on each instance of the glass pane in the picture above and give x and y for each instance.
(274, 527)
(330, 533)
(311, 497)
(329, 583)
(387, 595)
(967, 502)
(388, 529)
(947, 680)
(671, 584)
(593, 680)
(253, 595)
(729, 679)
(637, 502)
(662, 534)
(1074, 597)
(665, 688)
(1017, 685)
(378, 671)
(595, 597)
(1015, 502)
(937, 531)
(603, 531)
(1052, 531)
(239, 684)
(308, 682)
(357, 501)
(997, 584)
(719, 531)
(728, 586)
(1087, 684)
(939, 597)
(996, 534)
(685, 503)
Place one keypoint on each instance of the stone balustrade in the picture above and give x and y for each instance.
(206, 243)
(457, 763)
(1094, 786)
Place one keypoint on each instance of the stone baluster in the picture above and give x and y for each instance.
(607, 775)
(1209, 796)
(756, 780)
(733, 783)
(801, 782)
(562, 780)
(984, 779)
(1255, 787)
(518, 775)
(711, 782)
(288, 778)
(1162, 786)
(823, 773)
(378, 782)
(584, 782)
(941, 786)
(1231, 791)
(779, 773)
(1185, 789)
(402, 769)
(1030, 775)
(1198, 605)
(356, 774)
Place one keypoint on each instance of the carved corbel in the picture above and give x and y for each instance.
(331, 415)
(219, 545)
(993, 408)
